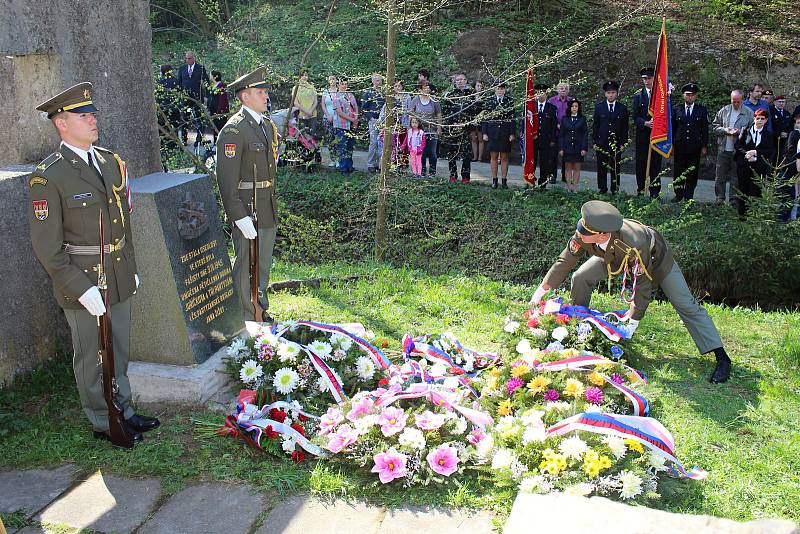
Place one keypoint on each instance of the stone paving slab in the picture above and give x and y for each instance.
(599, 515)
(302, 514)
(208, 508)
(104, 503)
(31, 489)
(424, 519)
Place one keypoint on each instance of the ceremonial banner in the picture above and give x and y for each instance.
(660, 109)
(531, 129)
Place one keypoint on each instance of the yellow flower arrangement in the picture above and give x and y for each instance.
(520, 370)
(574, 388)
(553, 462)
(594, 463)
(570, 353)
(539, 383)
(634, 445)
(505, 408)
(597, 379)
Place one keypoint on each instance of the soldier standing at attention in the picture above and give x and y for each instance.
(618, 245)
(609, 135)
(246, 158)
(690, 123)
(644, 127)
(68, 191)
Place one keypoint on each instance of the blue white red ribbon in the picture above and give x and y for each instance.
(645, 430)
(599, 320)
(437, 396)
(378, 357)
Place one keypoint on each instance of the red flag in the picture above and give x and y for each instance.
(660, 106)
(531, 122)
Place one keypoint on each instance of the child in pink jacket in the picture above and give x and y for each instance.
(415, 143)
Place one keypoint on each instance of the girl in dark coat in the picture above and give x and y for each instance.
(497, 130)
(754, 152)
(573, 143)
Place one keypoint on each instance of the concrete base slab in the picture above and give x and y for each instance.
(178, 384)
(207, 508)
(599, 515)
(32, 489)
(438, 520)
(104, 503)
(303, 514)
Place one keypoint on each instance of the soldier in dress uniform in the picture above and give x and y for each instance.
(782, 124)
(644, 127)
(690, 124)
(546, 143)
(616, 245)
(68, 192)
(609, 135)
(246, 158)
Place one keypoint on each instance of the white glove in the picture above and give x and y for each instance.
(247, 228)
(537, 296)
(92, 300)
(136, 277)
(632, 325)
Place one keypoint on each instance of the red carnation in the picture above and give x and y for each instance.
(302, 418)
(533, 322)
(563, 318)
(298, 456)
(271, 434)
(383, 382)
(278, 415)
(299, 428)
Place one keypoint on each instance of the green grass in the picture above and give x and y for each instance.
(743, 432)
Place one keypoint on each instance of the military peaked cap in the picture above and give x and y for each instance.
(76, 99)
(611, 86)
(690, 87)
(598, 217)
(256, 79)
(647, 72)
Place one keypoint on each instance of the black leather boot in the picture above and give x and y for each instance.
(505, 183)
(722, 372)
(494, 184)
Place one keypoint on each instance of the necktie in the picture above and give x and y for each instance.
(688, 111)
(191, 69)
(264, 130)
(611, 107)
(92, 166)
(541, 107)
(756, 137)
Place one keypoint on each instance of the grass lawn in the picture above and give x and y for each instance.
(743, 432)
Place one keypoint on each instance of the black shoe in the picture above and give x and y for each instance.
(675, 200)
(552, 181)
(505, 184)
(142, 423)
(722, 372)
(494, 183)
(602, 192)
(137, 436)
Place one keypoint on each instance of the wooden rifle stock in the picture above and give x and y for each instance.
(121, 435)
(259, 314)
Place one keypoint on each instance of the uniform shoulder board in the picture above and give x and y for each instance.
(49, 160)
(101, 149)
(622, 245)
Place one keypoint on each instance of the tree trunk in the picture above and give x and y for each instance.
(383, 180)
(200, 17)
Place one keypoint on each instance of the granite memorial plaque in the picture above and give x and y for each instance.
(186, 307)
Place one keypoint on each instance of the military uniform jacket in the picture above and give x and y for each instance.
(246, 154)
(641, 114)
(690, 133)
(66, 199)
(548, 123)
(610, 128)
(653, 249)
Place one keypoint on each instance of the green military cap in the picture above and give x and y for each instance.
(598, 217)
(256, 79)
(76, 99)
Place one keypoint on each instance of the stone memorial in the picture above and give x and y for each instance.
(185, 309)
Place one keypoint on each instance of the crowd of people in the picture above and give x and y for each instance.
(757, 137)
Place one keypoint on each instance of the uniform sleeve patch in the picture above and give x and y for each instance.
(574, 247)
(230, 150)
(37, 180)
(40, 210)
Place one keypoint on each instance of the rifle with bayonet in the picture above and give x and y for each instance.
(259, 313)
(121, 435)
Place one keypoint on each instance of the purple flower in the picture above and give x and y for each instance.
(443, 460)
(389, 465)
(514, 384)
(392, 421)
(265, 353)
(551, 395)
(617, 379)
(594, 395)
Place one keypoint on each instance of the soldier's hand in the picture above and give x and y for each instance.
(632, 325)
(92, 300)
(136, 277)
(537, 296)
(245, 225)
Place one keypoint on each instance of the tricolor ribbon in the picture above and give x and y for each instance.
(599, 320)
(385, 397)
(378, 357)
(645, 430)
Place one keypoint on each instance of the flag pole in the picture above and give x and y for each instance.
(650, 143)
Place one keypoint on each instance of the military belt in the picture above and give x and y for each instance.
(259, 185)
(93, 250)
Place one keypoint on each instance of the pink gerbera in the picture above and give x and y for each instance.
(443, 460)
(329, 420)
(361, 407)
(343, 437)
(428, 420)
(392, 421)
(389, 465)
(476, 436)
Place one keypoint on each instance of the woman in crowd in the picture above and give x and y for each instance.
(497, 130)
(305, 100)
(573, 143)
(429, 112)
(218, 105)
(754, 152)
(329, 137)
(474, 129)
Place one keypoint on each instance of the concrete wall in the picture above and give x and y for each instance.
(32, 326)
(46, 47)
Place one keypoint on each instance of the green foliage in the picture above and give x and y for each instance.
(728, 10)
(514, 236)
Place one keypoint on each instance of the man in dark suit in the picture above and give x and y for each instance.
(609, 135)
(193, 80)
(782, 125)
(546, 143)
(690, 127)
(644, 127)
